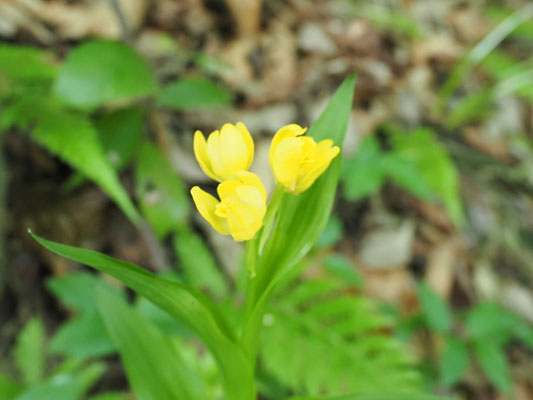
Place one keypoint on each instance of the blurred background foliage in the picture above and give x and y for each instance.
(422, 279)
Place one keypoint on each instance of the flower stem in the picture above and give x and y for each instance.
(273, 207)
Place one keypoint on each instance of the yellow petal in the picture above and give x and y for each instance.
(246, 218)
(227, 151)
(248, 141)
(288, 131)
(200, 152)
(313, 169)
(286, 161)
(206, 205)
(251, 179)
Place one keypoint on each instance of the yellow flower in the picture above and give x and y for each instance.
(241, 208)
(296, 160)
(224, 152)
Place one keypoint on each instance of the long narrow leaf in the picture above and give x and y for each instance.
(185, 304)
(155, 369)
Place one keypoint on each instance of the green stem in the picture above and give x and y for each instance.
(273, 207)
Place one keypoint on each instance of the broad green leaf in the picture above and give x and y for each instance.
(77, 290)
(101, 72)
(431, 159)
(406, 174)
(197, 263)
(193, 93)
(120, 133)
(9, 389)
(161, 319)
(66, 386)
(185, 304)
(342, 267)
(160, 191)
(25, 63)
(435, 309)
(362, 175)
(301, 219)
(72, 138)
(489, 321)
(83, 337)
(29, 352)
(453, 361)
(155, 369)
(492, 358)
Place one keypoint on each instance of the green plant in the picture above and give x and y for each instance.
(70, 380)
(275, 251)
(481, 333)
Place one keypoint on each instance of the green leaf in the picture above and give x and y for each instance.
(77, 290)
(72, 138)
(155, 369)
(109, 396)
(436, 311)
(490, 322)
(405, 174)
(120, 134)
(342, 267)
(160, 191)
(453, 361)
(423, 150)
(362, 175)
(301, 219)
(492, 358)
(25, 63)
(198, 264)
(101, 72)
(83, 337)
(65, 386)
(332, 233)
(185, 304)
(9, 389)
(193, 93)
(29, 352)
(376, 396)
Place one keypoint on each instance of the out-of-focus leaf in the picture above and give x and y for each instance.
(332, 233)
(25, 63)
(155, 369)
(83, 337)
(365, 173)
(474, 106)
(77, 290)
(362, 175)
(431, 159)
(453, 361)
(73, 139)
(160, 191)
(161, 319)
(185, 304)
(120, 133)
(376, 396)
(29, 352)
(301, 218)
(342, 267)
(9, 389)
(67, 386)
(109, 396)
(100, 72)
(198, 264)
(490, 322)
(193, 93)
(435, 309)
(491, 356)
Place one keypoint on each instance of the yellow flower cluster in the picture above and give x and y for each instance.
(296, 160)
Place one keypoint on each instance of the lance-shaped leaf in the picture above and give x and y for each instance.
(155, 368)
(185, 304)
